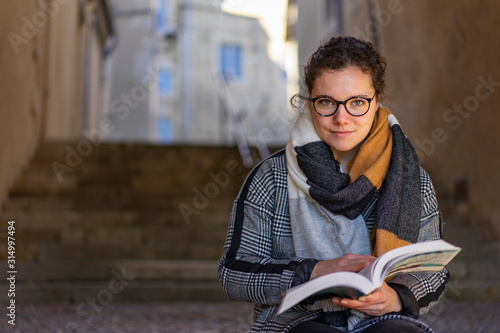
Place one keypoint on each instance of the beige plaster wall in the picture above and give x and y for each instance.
(47, 49)
(22, 61)
(441, 55)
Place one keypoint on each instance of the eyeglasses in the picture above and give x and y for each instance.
(355, 106)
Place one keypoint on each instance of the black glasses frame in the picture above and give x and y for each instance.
(313, 100)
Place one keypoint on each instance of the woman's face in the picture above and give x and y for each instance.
(341, 131)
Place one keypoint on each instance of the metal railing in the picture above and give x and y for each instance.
(236, 108)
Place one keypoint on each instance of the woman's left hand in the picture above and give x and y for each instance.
(382, 301)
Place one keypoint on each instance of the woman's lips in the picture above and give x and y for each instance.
(341, 134)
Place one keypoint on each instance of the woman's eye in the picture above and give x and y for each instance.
(358, 102)
(325, 102)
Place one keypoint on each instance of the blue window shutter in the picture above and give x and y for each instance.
(162, 17)
(165, 130)
(231, 62)
(166, 79)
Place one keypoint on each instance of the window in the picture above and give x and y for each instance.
(166, 82)
(162, 17)
(231, 62)
(165, 130)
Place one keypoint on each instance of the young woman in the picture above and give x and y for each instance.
(347, 188)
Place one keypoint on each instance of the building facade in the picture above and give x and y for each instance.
(184, 68)
(134, 89)
(213, 67)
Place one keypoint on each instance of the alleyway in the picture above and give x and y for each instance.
(460, 316)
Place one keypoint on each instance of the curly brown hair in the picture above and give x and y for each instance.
(341, 52)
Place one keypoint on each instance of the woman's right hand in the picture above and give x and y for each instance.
(347, 263)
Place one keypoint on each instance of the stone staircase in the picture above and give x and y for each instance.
(475, 272)
(136, 222)
(132, 222)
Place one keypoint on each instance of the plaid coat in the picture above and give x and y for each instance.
(259, 265)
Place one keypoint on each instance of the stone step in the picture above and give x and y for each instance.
(197, 200)
(109, 150)
(142, 236)
(473, 289)
(44, 177)
(90, 294)
(175, 250)
(136, 154)
(485, 270)
(73, 233)
(193, 241)
(136, 166)
(104, 270)
(208, 189)
(160, 250)
(36, 203)
(152, 202)
(174, 188)
(56, 220)
(151, 240)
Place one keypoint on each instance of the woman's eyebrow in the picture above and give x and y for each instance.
(353, 96)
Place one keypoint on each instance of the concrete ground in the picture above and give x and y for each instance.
(457, 316)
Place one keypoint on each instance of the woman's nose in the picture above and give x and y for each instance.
(341, 116)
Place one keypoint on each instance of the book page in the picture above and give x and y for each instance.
(427, 262)
(442, 250)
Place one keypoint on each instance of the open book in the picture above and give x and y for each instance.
(430, 256)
